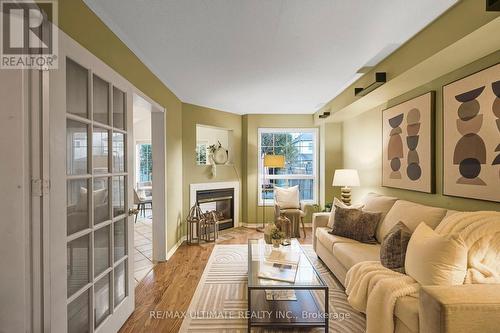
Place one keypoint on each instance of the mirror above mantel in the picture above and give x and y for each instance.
(207, 136)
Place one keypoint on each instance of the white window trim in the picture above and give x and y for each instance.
(314, 176)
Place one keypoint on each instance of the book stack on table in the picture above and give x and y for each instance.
(280, 265)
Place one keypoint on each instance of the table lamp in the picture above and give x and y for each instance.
(346, 178)
(269, 161)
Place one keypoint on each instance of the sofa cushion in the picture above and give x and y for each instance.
(393, 248)
(406, 310)
(338, 203)
(356, 224)
(433, 259)
(350, 254)
(374, 202)
(327, 239)
(411, 214)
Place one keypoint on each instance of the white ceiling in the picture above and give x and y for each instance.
(257, 56)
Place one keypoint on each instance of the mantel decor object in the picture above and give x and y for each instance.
(218, 156)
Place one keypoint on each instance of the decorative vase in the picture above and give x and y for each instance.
(276, 242)
(284, 224)
(267, 232)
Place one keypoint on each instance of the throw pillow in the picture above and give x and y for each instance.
(287, 198)
(393, 248)
(338, 203)
(355, 224)
(432, 259)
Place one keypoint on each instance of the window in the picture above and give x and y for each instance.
(201, 152)
(299, 146)
(144, 162)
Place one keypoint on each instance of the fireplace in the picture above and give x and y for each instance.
(206, 188)
(220, 200)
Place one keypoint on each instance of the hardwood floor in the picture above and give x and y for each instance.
(170, 286)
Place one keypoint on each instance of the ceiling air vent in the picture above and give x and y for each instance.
(493, 5)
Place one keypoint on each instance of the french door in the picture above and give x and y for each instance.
(91, 233)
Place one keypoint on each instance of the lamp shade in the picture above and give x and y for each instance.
(274, 161)
(346, 177)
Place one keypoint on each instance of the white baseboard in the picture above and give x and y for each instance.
(171, 252)
(255, 225)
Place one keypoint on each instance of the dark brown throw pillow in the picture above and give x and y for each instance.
(355, 224)
(393, 247)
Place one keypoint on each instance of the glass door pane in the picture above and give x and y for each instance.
(101, 201)
(120, 235)
(101, 100)
(76, 147)
(100, 148)
(118, 195)
(78, 314)
(118, 152)
(118, 108)
(120, 284)
(96, 199)
(101, 299)
(76, 89)
(101, 250)
(77, 268)
(77, 198)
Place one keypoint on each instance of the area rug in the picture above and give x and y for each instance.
(221, 296)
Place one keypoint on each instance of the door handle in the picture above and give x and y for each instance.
(133, 211)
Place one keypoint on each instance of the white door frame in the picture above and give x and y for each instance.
(158, 143)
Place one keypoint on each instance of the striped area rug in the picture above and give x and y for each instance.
(221, 296)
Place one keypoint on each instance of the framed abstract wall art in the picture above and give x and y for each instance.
(471, 147)
(408, 145)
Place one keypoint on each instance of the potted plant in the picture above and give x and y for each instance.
(277, 236)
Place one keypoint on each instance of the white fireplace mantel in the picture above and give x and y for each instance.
(193, 188)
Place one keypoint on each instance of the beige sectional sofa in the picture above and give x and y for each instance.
(436, 306)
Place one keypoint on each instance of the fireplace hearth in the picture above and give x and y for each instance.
(220, 200)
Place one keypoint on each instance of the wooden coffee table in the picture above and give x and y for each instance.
(305, 312)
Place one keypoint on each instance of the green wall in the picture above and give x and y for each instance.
(81, 24)
(331, 158)
(244, 153)
(251, 123)
(362, 146)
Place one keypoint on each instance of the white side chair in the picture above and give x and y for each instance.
(287, 202)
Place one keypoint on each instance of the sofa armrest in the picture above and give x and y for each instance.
(318, 220)
(459, 309)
